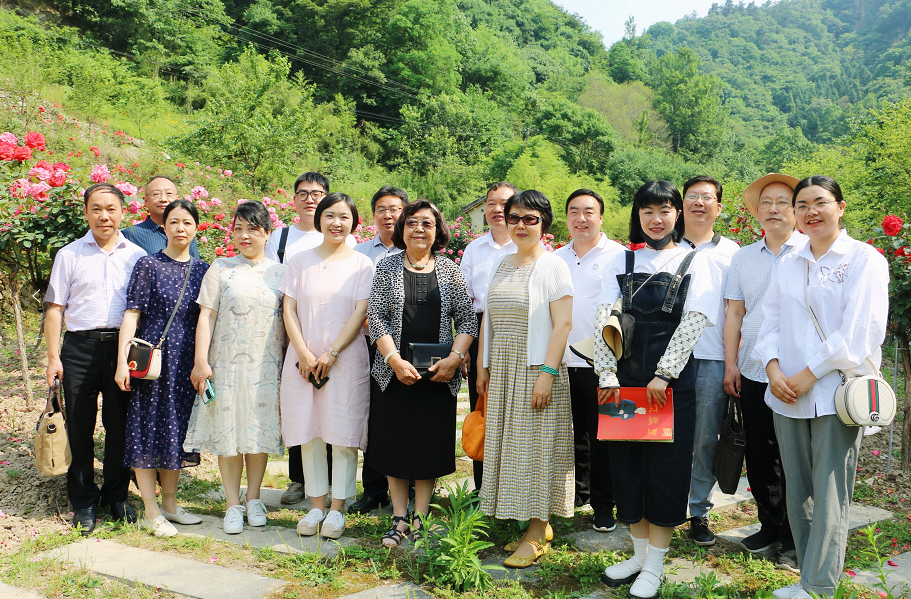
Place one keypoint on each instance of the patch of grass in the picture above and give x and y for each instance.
(12, 473)
(893, 536)
(751, 574)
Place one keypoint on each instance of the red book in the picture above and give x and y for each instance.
(634, 420)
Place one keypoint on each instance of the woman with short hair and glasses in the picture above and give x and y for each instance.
(846, 284)
(529, 454)
(418, 297)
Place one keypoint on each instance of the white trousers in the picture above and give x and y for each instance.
(316, 472)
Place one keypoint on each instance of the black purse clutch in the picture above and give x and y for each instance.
(424, 355)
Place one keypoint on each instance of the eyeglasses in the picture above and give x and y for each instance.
(692, 197)
(315, 194)
(819, 206)
(156, 195)
(529, 219)
(780, 204)
(412, 223)
(389, 211)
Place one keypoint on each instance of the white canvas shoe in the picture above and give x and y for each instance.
(182, 516)
(256, 512)
(159, 526)
(333, 526)
(309, 524)
(234, 520)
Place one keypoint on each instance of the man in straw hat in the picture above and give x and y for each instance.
(769, 200)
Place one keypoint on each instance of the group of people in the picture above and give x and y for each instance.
(309, 341)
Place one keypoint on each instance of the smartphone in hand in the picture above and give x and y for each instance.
(208, 393)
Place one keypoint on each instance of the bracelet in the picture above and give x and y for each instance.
(461, 355)
(392, 353)
(549, 370)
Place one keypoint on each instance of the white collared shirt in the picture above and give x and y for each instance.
(478, 260)
(586, 272)
(91, 284)
(376, 250)
(849, 293)
(719, 252)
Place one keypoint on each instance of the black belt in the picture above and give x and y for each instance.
(99, 334)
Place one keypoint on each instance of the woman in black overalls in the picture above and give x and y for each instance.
(660, 286)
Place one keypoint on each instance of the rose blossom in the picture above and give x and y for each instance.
(199, 192)
(57, 178)
(39, 191)
(126, 188)
(42, 174)
(8, 138)
(892, 225)
(19, 188)
(6, 151)
(34, 140)
(100, 173)
(22, 154)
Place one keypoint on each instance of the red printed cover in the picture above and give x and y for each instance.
(634, 420)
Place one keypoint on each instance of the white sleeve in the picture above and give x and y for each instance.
(768, 339)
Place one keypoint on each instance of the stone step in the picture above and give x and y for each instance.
(898, 577)
(10, 592)
(157, 569)
(860, 516)
(729, 502)
(393, 591)
(272, 498)
(684, 571)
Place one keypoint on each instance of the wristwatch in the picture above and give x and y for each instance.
(334, 352)
(461, 355)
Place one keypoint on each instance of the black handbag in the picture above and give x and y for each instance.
(424, 355)
(731, 448)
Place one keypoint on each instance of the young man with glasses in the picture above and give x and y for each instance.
(158, 192)
(701, 208)
(387, 205)
(309, 189)
(769, 200)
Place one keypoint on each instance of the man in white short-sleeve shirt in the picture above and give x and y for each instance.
(588, 255)
(88, 291)
(701, 208)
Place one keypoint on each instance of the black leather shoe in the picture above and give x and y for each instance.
(122, 510)
(368, 503)
(85, 518)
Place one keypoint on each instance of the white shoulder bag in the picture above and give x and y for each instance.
(859, 400)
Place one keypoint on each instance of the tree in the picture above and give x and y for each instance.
(585, 137)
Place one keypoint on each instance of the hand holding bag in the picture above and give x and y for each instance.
(144, 359)
(863, 400)
(731, 449)
(424, 355)
(52, 448)
(473, 430)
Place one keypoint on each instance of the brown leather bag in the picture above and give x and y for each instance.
(52, 448)
(473, 431)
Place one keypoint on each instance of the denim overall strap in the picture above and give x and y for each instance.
(674, 287)
(627, 292)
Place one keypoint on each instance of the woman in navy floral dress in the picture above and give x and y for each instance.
(160, 409)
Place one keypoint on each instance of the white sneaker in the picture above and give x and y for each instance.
(234, 520)
(160, 526)
(256, 512)
(309, 524)
(333, 525)
(182, 516)
(794, 591)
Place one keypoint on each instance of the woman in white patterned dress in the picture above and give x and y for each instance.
(240, 342)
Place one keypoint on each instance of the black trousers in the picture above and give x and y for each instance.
(89, 366)
(375, 483)
(763, 461)
(593, 471)
(477, 467)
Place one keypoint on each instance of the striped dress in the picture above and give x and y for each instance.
(528, 454)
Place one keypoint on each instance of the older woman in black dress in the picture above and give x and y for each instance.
(416, 297)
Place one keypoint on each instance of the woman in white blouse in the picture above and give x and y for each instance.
(847, 283)
(668, 289)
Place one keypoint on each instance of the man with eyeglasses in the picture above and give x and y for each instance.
(387, 205)
(309, 189)
(158, 192)
(769, 201)
(701, 208)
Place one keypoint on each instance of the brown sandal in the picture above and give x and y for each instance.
(395, 535)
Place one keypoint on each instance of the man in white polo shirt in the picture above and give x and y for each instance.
(587, 256)
(482, 256)
(88, 291)
(701, 208)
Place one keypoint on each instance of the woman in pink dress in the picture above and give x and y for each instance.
(325, 390)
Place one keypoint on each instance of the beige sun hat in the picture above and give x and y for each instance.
(754, 190)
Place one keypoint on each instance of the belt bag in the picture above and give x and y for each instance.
(859, 400)
(424, 355)
(52, 449)
(143, 358)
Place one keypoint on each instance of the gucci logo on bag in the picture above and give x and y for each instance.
(874, 416)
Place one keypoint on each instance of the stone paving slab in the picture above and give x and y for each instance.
(393, 591)
(10, 592)
(725, 502)
(686, 571)
(861, 516)
(898, 577)
(592, 540)
(175, 574)
(279, 538)
(519, 574)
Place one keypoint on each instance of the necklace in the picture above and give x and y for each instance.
(415, 266)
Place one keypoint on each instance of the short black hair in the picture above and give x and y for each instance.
(532, 199)
(183, 204)
(254, 213)
(655, 193)
(332, 199)
(440, 239)
(500, 184)
(824, 181)
(584, 192)
(311, 177)
(704, 179)
(104, 188)
(388, 190)
(153, 177)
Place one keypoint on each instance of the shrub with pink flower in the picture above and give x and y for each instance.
(39, 191)
(19, 188)
(100, 174)
(199, 192)
(127, 189)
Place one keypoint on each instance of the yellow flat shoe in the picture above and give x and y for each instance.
(548, 535)
(523, 562)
